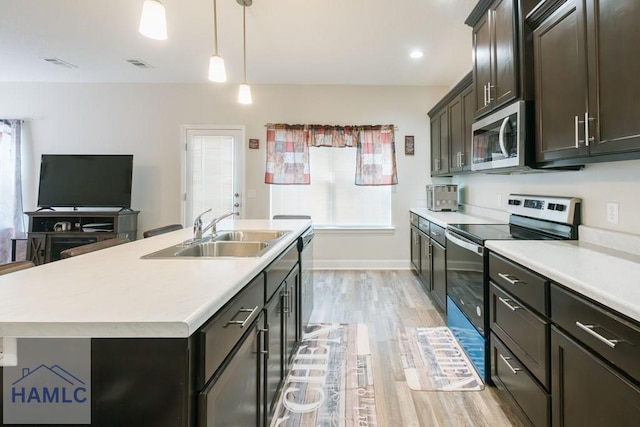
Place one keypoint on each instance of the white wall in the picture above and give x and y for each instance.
(597, 184)
(145, 119)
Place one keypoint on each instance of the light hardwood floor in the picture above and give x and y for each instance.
(386, 300)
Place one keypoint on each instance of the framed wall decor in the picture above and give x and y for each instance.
(254, 144)
(409, 148)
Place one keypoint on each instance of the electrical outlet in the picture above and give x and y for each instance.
(612, 212)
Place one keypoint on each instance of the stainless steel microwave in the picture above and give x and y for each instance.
(499, 140)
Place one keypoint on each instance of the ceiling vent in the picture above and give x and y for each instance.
(60, 62)
(138, 63)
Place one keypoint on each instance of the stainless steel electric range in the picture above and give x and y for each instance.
(532, 218)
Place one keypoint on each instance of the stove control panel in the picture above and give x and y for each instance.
(565, 210)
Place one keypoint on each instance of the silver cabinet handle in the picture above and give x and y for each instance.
(505, 301)
(461, 159)
(506, 361)
(435, 233)
(577, 130)
(587, 119)
(285, 301)
(265, 339)
(242, 323)
(512, 279)
(484, 93)
(437, 161)
(589, 329)
(489, 86)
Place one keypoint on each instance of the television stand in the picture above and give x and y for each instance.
(44, 244)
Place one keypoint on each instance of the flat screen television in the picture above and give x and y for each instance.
(85, 180)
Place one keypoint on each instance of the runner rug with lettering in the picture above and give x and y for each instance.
(433, 361)
(331, 380)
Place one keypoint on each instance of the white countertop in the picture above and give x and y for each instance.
(610, 277)
(114, 293)
(445, 218)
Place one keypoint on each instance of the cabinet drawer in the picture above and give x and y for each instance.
(423, 225)
(437, 233)
(508, 373)
(217, 338)
(605, 332)
(276, 272)
(525, 333)
(527, 286)
(413, 218)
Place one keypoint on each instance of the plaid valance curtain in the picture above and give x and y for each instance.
(288, 152)
(287, 155)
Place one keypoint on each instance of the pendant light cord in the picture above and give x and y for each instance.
(215, 29)
(244, 40)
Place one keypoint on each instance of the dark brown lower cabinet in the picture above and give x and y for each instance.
(510, 375)
(234, 396)
(586, 390)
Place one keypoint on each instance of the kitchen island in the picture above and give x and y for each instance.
(151, 322)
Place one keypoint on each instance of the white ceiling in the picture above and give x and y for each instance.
(364, 42)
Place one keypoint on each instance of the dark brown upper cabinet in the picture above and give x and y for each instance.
(451, 120)
(498, 52)
(586, 81)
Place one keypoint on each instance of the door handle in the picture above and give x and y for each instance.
(506, 361)
(589, 329)
(512, 279)
(503, 127)
(505, 301)
(242, 323)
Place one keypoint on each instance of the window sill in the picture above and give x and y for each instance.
(353, 230)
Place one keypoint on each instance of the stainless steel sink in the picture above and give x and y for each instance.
(249, 235)
(235, 243)
(224, 249)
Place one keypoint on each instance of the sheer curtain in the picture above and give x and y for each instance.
(11, 212)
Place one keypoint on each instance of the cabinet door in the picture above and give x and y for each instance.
(440, 143)
(587, 391)
(504, 69)
(274, 359)
(290, 309)
(456, 135)
(425, 261)
(439, 275)
(468, 111)
(482, 63)
(435, 144)
(560, 84)
(443, 162)
(415, 250)
(614, 70)
(234, 396)
(36, 248)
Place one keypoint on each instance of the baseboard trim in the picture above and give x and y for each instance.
(360, 264)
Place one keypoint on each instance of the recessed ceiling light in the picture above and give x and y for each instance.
(416, 54)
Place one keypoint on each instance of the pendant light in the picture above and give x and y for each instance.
(153, 22)
(217, 72)
(244, 92)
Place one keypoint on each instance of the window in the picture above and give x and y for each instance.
(332, 199)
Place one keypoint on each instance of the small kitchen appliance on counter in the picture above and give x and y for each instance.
(532, 218)
(442, 197)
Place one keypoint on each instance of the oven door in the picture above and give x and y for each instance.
(498, 139)
(466, 278)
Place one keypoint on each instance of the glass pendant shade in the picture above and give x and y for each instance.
(217, 72)
(153, 22)
(244, 94)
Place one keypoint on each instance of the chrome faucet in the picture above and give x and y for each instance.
(198, 230)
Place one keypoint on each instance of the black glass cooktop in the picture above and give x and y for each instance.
(478, 233)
